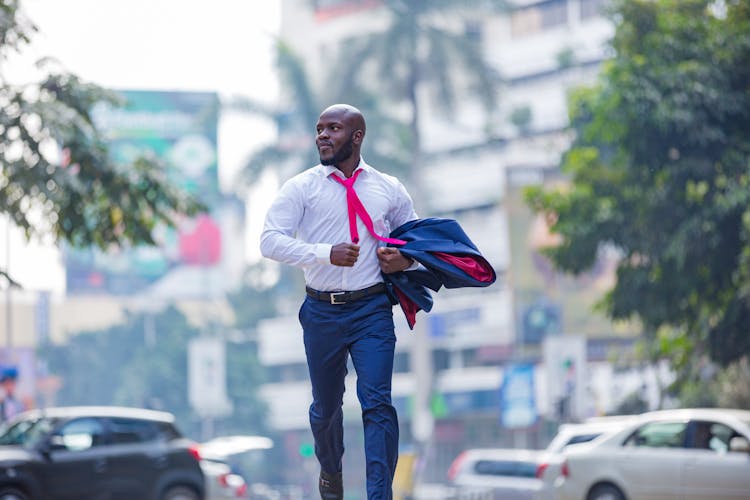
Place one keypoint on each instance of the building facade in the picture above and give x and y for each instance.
(475, 172)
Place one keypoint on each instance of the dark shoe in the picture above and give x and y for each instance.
(331, 486)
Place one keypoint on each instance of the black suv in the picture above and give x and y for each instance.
(97, 453)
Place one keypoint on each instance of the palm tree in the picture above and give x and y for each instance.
(295, 118)
(421, 46)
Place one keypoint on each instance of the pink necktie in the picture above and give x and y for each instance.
(355, 207)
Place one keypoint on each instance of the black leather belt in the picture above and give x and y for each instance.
(344, 297)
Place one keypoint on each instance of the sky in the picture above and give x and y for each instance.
(223, 46)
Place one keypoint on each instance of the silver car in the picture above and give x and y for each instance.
(221, 482)
(506, 473)
(688, 454)
(573, 434)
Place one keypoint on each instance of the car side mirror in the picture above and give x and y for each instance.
(740, 444)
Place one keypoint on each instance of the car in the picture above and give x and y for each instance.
(507, 473)
(519, 473)
(573, 434)
(583, 432)
(67, 453)
(685, 454)
(221, 481)
(522, 473)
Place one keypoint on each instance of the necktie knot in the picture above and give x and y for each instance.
(348, 183)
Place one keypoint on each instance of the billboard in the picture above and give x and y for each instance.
(179, 129)
(517, 397)
(207, 378)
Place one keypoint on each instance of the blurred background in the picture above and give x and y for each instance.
(569, 138)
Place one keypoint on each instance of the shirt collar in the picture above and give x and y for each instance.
(330, 169)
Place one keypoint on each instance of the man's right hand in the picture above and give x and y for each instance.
(344, 254)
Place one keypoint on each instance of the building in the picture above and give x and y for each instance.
(540, 50)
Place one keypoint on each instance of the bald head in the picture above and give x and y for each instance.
(347, 113)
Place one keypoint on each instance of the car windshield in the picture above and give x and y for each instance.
(26, 432)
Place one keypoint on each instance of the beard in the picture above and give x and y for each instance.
(344, 153)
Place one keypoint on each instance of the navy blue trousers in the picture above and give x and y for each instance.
(364, 330)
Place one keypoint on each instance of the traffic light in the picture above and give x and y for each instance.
(306, 450)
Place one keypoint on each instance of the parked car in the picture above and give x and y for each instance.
(505, 472)
(221, 481)
(686, 454)
(573, 434)
(519, 473)
(97, 452)
(584, 432)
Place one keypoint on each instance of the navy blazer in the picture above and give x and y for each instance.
(449, 258)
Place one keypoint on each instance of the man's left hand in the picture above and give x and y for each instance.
(392, 260)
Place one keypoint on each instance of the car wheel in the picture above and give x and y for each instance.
(7, 493)
(177, 493)
(605, 492)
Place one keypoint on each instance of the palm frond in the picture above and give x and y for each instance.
(244, 104)
(266, 157)
(11, 282)
(463, 52)
(295, 77)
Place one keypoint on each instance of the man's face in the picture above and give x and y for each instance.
(335, 139)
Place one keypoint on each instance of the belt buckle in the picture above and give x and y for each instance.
(334, 295)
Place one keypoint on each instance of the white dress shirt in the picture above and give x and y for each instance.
(310, 215)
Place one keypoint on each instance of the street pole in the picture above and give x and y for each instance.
(421, 355)
(8, 291)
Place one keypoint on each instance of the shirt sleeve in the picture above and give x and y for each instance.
(278, 240)
(403, 211)
(403, 207)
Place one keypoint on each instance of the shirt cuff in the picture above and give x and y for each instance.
(414, 265)
(323, 253)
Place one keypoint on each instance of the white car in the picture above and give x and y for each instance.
(584, 432)
(505, 472)
(573, 434)
(687, 454)
(519, 473)
(221, 482)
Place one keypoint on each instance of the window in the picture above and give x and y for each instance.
(592, 8)
(711, 436)
(538, 17)
(80, 434)
(126, 430)
(582, 438)
(659, 435)
(401, 362)
(168, 431)
(473, 31)
(27, 432)
(505, 468)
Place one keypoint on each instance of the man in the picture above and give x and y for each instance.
(10, 406)
(333, 231)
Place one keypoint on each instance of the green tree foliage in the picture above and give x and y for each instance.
(57, 177)
(660, 170)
